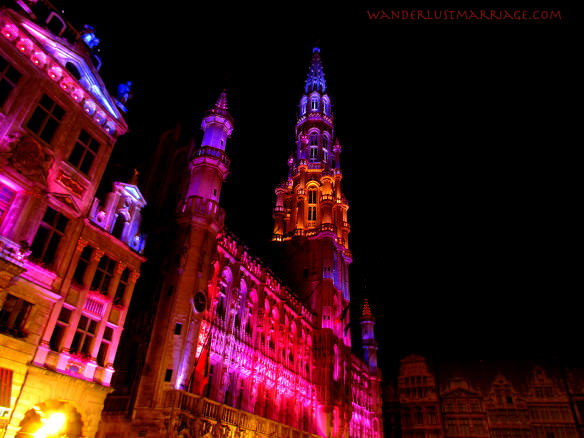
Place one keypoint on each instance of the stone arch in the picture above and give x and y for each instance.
(227, 276)
(36, 417)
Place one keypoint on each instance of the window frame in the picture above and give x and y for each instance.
(5, 205)
(13, 320)
(104, 273)
(5, 72)
(60, 327)
(84, 148)
(83, 344)
(49, 250)
(46, 119)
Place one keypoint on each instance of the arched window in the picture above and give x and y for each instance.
(313, 139)
(314, 101)
(312, 204)
(327, 106)
(303, 106)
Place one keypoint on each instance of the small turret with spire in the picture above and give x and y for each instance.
(209, 164)
(368, 336)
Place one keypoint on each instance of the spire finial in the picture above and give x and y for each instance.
(222, 101)
(366, 310)
(315, 80)
(134, 179)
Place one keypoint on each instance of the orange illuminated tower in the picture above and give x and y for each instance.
(310, 217)
(310, 221)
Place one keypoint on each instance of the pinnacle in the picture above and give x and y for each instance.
(366, 310)
(222, 101)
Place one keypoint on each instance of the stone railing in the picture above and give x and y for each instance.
(13, 252)
(207, 416)
(195, 205)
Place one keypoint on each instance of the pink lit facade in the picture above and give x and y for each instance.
(233, 350)
(68, 263)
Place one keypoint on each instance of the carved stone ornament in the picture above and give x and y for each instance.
(29, 158)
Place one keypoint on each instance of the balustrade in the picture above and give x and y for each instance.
(213, 412)
(195, 205)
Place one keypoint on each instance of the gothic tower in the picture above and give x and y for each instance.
(311, 224)
(311, 211)
(184, 297)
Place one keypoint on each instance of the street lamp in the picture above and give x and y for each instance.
(51, 425)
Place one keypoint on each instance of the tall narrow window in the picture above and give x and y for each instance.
(312, 195)
(59, 331)
(313, 139)
(314, 104)
(9, 77)
(13, 316)
(82, 264)
(121, 289)
(50, 232)
(83, 336)
(104, 346)
(303, 106)
(84, 152)
(327, 107)
(313, 153)
(46, 118)
(6, 198)
(103, 274)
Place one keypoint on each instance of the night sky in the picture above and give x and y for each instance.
(456, 156)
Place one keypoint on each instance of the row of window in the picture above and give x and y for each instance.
(315, 105)
(14, 314)
(84, 337)
(47, 118)
(103, 276)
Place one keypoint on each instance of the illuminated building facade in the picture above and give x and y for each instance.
(234, 351)
(485, 399)
(68, 263)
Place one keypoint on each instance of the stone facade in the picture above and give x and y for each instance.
(484, 399)
(67, 271)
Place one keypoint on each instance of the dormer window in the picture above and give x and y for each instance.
(327, 107)
(314, 104)
(303, 107)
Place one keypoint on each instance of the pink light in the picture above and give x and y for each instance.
(10, 31)
(10, 183)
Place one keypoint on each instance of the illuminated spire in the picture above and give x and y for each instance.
(366, 315)
(315, 80)
(222, 102)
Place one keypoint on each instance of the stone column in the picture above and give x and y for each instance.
(44, 347)
(97, 338)
(76, 314)
(113, 348)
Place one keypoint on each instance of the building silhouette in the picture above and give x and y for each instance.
(484, 398)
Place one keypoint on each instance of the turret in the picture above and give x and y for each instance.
(209, 164)
(368, 336)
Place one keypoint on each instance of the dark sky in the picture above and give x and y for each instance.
(456, 155)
